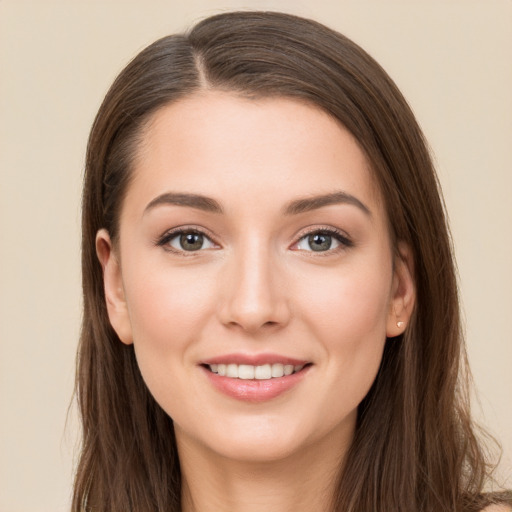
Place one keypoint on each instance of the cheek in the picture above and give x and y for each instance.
(349, 305)
(347, 313)
(168, 311)
(166, 304)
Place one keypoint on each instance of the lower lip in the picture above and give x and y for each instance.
(255, 390)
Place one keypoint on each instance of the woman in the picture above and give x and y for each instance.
(271, 317)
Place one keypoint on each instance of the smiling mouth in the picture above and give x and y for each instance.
(251, 372)
(268, 377)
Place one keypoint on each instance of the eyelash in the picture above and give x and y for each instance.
(339, 236)
(164, 240)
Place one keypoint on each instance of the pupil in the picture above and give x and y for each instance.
(191, 241)
(320, 242)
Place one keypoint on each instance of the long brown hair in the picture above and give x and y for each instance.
(414, 447)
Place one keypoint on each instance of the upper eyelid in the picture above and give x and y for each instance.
(322, 229)
(304, 232)
(343, 239)
(174, 232)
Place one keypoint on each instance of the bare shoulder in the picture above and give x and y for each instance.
(497, 508)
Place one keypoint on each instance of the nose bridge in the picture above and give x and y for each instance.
(254, 297)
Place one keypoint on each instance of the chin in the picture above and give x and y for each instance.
(261, 439)
(257, 449)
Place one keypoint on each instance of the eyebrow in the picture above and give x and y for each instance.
(197, 201)
(295, 207)
(307, 204)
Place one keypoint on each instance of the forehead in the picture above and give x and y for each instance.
(252, 152)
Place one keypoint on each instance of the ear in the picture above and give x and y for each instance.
(114, 289)
(403, 293)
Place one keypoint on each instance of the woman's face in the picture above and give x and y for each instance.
(253, 242)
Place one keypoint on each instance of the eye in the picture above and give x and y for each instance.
(322, 241)
(187, 241)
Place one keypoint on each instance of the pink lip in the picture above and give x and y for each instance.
(254, 390)
(254, 359)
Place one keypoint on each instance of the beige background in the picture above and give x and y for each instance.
(452, 59)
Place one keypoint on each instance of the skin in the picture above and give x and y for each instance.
(256, 287)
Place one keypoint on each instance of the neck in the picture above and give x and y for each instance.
(303, 482)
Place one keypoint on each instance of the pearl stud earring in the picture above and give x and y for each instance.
(400, 324)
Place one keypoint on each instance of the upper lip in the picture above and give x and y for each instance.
(254, 359)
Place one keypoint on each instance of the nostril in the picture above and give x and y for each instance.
(253, 300)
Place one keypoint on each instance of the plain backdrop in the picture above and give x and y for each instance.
(451, 58)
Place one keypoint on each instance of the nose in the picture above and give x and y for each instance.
(253, 294)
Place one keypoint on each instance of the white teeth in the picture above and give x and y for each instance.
(246, 371)
(277, 370)
(263, 372)
(250, 372)
(232, 371)
(288, 369)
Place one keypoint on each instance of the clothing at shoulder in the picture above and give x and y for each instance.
(497, 508)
